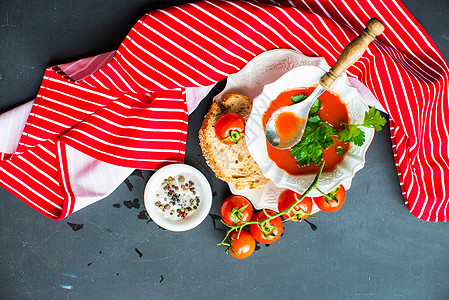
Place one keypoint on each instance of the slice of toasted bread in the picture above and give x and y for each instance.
(231, 163)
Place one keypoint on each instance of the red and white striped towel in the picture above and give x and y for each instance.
(132, 113)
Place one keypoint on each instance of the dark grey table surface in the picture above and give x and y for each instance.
(372, 249)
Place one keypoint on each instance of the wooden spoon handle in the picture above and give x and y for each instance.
(353, 51)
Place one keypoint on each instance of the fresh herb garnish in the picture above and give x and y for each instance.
(339, 150)
(298, 98)
(315, 106)
(353, 133)
(318, 137)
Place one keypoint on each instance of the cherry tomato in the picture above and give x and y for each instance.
(287, 198)
(236, 209)
(241, 245)
(276, 227)
(327, 203)
(230, 128)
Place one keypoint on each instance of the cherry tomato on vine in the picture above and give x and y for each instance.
(327, 202)
(230, 128)
(241, 245)
(287, 198)
(236, 209)
(273, 228)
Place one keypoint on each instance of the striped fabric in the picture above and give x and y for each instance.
(132, 111)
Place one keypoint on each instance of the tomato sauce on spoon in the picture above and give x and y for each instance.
(287, 124)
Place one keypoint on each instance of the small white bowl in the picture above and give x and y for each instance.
(154, 192)
(354, 160)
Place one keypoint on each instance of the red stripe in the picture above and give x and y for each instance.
(66, 188)
(123, 141)
(32, 184)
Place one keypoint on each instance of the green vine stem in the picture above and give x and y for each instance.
(287, 211)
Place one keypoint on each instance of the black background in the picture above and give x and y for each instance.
(372, 249)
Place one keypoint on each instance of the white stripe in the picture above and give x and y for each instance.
(59, 113)
(78, 98)
(66, 105)
(169, 99)
(170, 66)
(440, 64)
(120, 76)
(89, 84)
(239, 18)
(25, 145)
(42, 173)
(186, 51)
(239, 45)
(46, 150)
(64, 182)
(29, 187)
(149, 108)
(144, 118)
(136, 70)
(446, 210)
(139, 128)
(44, 161)
(26, 198)
(148, 65)
(97, 81)
(79, 87)
(402, 42)
(51, 121)
(309, 35)
(211, 41)
(35, 137)
(134, 138)
(124, 157)
(110, 80)
(256, 18)
(121, 146)
(217, 57)
(226, 25)
(42, 128)
(127, 73)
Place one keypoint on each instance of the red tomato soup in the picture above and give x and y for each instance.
(333, 111)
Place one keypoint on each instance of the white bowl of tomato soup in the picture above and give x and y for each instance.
(342, 104)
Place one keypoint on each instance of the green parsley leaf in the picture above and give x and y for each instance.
(317, 136)
(315, 108)
(373, 119)
(353, 133)
(298, 98)
(339, 150)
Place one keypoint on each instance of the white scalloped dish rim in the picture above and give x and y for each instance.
(354, 159)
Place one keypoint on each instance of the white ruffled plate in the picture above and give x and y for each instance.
(354, 159)
(265, 69)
